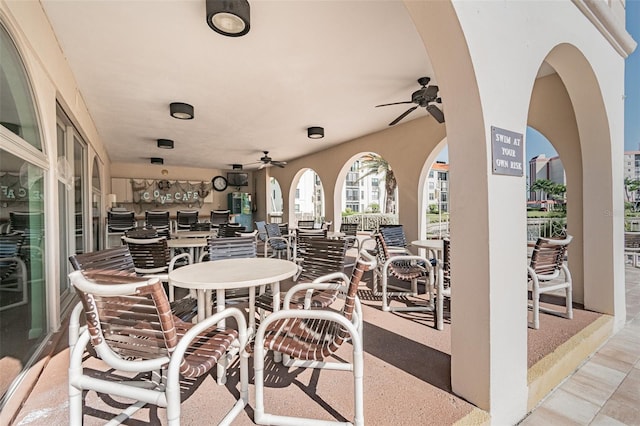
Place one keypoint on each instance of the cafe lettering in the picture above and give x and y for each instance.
(169, 192)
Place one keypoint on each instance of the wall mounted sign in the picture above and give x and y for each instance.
(169, 192)
(507, 154)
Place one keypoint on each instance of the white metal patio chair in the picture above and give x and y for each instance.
(307, 337)
(548, 272)
(130, 327)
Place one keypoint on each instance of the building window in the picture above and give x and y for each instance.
(17, 111)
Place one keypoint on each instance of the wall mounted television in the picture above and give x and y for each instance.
(237, 179)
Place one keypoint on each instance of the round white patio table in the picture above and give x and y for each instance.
(193, 244)
(435, 246)
(192, 234)
(220, 275)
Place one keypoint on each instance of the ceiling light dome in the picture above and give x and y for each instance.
(228, 17)
(181, 110)
(165, 143)
(315, 132)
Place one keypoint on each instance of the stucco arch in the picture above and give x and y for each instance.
(593, 163)
(551, 113)
(291, 197)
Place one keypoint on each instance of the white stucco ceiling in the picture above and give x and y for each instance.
(304, 63)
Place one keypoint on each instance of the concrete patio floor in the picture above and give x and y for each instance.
(407, 378)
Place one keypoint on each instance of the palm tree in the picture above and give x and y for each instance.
(555, 191)
(374, 165)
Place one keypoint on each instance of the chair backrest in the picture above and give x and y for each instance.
(114, 261)
(262, 231)
(27, 222)
(219, 216)
(142, 232)
(548, 255)
(227, 230)
(10, 246)
(159, 219)
(150, 255)
(393, 235)
(120, 221)
(184, 218)
(306, 224)
(446, 262)
(284, 228)
(321, 256)
(272, 230)
(632, 240)
(134, 318)
(318, 233)
(200, 226)
(232, 247)
(350, 229)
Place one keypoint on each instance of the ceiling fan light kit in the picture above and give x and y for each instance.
(315, 132)
(425, 97)
(181, 111)
(229, 17)
(265, 160)
(165, 143)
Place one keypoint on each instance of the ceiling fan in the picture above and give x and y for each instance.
(265, 160)
(425, 97)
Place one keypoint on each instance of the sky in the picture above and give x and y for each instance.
(537, 144)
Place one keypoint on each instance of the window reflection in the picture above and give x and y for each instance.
(22, 291)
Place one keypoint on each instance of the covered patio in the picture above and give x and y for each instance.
(407, 374)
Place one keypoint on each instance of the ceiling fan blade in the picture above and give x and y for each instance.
(279, 163)
(436, 113)
(403, 115)
(431, 92)
(395, 103)
(261, 166)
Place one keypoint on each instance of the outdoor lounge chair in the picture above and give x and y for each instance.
(118, 222)
(186, 218)
(131, 329)
(158, 219)
(547, 273)
(407, 268)
(276, 241)
(307, 337)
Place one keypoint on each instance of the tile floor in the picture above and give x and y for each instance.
(605, 390)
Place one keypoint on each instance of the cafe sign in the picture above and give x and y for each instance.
(506, 152)
(169, 192)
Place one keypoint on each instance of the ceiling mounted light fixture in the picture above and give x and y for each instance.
(157, 160)
(181, 110)
(315, 132)
(165, 143)
(228, 17)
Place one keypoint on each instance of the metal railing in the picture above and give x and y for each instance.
(371, 221)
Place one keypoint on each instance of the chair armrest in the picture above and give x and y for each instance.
(175, 258)
(320, 314)
(317, 284)
(173, 373)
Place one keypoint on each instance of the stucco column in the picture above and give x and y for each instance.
(489, 311)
